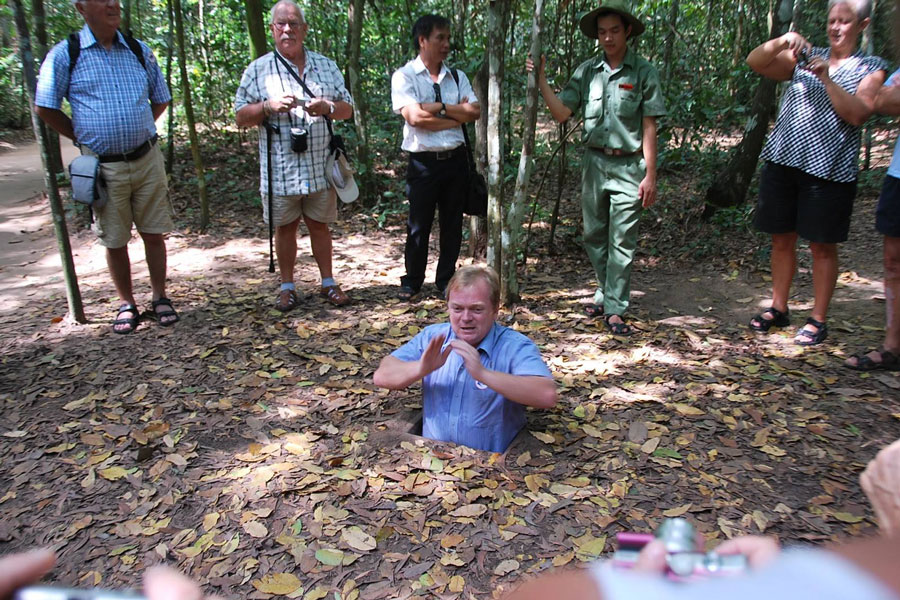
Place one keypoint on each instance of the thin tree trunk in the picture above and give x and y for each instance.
(868, 46)
(731, 184)
(73, 294)
(479, 84)
(125, 25)
(204, 41)
(509, 282)
(496, 36)
(39, 19)
(669, 48)
(136, 21)
(189, 116)
(170, 123)
(256, 28)
(360, 113)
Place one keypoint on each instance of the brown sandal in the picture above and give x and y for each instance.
(292, 302)
(335, 295)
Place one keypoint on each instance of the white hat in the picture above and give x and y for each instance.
(339, 174)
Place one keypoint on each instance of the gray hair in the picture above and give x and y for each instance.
(862, 8)
(275, 6)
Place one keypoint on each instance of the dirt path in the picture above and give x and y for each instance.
(29, 261)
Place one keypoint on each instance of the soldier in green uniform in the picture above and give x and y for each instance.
(620, 95)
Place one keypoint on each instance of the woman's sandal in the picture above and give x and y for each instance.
(162, 315)
(622, 328)
(779, 319)
(292, 302)
(132, 322)
(594, 311)
(805, 337)
(889, 361)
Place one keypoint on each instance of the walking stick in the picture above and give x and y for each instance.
(270, 129)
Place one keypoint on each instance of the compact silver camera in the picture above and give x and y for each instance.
(685, 558)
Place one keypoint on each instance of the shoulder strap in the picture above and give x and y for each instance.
(463, 125)
(135, 48)
(298, 79)
(74, 50)
(74, 44)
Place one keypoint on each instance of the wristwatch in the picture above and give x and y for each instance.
(443, 111)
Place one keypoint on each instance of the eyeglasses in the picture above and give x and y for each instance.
(437, 93)
(282, 25)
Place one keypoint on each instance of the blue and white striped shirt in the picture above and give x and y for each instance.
(109, 92)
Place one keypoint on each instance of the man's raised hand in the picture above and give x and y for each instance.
(433, 358)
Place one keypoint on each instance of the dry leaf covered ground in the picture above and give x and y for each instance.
(251, 449)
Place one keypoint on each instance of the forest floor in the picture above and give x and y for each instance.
(251, 449)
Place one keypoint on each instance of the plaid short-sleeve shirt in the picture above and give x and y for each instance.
(292, 173)
(109, 92)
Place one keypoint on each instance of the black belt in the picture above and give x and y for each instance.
(440, 154)
(135, 154)
(616, 151)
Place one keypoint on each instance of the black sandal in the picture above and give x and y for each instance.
(132, 322)
(161, 315)
(805, 337)
(889, 361)
(594, 311)
(779, 319)
(406, 293)
(622, 328)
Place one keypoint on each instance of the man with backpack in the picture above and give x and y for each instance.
(116, 91)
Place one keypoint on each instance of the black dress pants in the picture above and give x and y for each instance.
(433, 182)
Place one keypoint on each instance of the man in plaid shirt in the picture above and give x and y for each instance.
(116, 98)
(271, 89)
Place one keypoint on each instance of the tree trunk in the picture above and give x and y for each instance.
(669, 48)
(731, 184)
(868, 46)
(170, 123)
(459, 28)
(360, 113)
(509, 282)
(496, 36)
(73, 294)
(39, 19)
(479, 85)
(189, 116)
(125, 24)
(256, 28)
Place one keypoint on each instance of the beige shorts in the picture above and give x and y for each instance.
(319, 206)
(138, 193)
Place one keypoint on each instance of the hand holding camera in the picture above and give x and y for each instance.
(282, 104)
(677, 551)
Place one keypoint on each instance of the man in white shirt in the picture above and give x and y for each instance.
(434, 106)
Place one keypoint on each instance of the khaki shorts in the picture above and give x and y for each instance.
(138, 193)
(319, 206)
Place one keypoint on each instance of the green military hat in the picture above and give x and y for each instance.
(588, 21)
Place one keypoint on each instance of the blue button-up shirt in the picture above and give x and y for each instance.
(458, 409)
(109, 92)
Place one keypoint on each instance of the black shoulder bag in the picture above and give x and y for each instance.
(476, 201)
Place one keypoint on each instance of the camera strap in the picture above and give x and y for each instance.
(298, 79)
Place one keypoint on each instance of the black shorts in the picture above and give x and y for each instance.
(791, 200)
(887, 216)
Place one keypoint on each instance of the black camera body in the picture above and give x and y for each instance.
(299, 139)
(802, 58)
